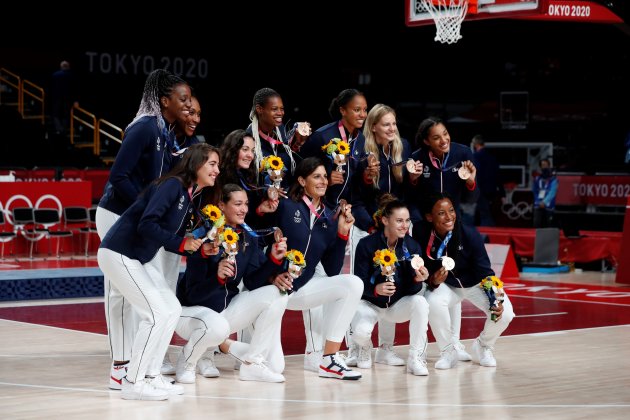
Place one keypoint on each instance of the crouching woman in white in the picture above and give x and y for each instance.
(212, 284)
(456, 255)
(312, 229)
(157, 219)
(397, 298)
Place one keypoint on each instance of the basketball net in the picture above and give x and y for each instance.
(448, 16)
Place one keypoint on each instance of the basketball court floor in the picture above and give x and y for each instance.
(565, 356)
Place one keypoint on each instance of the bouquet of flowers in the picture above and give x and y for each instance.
(296, 263)
(274, 168)
(493, 288)
(386, 260)
(214, 221)
(228, 239)
(337, 149)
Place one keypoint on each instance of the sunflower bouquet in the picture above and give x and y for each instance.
(337, 150)
(214, 221)
(274, 168)
(296, 263)
(386, 260)
(493, 288)
(228, 239)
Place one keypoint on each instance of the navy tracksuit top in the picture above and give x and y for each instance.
(313, 148)
(159, 217)
(267, 150)
(201, 286)
(365, 268)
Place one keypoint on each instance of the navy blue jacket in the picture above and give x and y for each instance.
(366, 195)
(143, 157)
(267, 150)
(466, 247)
(200, 285)
(294, 218)
(365, 268)
(159, 217)
(313, 148)
(172, 159)
(440, 179)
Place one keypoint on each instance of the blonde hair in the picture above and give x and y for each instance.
(377, 112)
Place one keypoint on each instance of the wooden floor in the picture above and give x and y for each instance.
(48, 372)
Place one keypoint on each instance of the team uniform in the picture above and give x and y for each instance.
(277, 145)
(406, 304)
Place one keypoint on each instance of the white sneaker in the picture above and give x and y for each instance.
(167, 366)
(353, 354)
(364, 359)
(385, 354)
(448, 358)
(311, 361)
(116, 375)
(258, 371)
(462, 354)
(206, 366)
(483, 355)
(186, 371)
(416, 364)
(142, 390)
(164, 384)
(333, 366)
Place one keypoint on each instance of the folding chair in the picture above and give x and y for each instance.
(49, 220)
(4, 235)
(24, 224)
(78, 218)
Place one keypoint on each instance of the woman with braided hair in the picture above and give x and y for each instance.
(145, 155)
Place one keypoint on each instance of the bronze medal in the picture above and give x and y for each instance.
(463, 173)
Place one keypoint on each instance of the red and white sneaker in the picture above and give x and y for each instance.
(116, 375)
(334, 366)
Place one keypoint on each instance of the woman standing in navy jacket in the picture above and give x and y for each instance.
(313, 229)
(145, 155)
(397, 300)
(443, 236)
(158, 218)
(211, 286)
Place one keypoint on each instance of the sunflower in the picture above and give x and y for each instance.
(387, 258)
(377, 256)
(497, 282)
(296, 257)
(229, 236)
(275, 163)
(486, 283)
(212, 212)
(343, 148)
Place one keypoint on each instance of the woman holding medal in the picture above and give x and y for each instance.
(270, 135)
(446, 167)
(385, 174)
(158, 218)
(457, 261)
(396, 296)
(144, 156)
(211, 286)
(319, 235)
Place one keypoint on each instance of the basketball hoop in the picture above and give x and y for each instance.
(448, 16)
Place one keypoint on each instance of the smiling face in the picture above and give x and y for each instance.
(438, 140)
(271, 114)
(179, 100)
(207, 174)
(385, 130)
(315, 184)
(397, 223)
(235, 209)
(353, 115)
(245, 153)
(442, 216)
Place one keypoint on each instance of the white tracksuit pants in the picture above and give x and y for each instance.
(146, 289)
(413, 308)
(339, 297)
(442, 299)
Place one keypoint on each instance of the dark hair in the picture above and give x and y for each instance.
(427, 208)
(478, 139)
(194, 158)
(342, 100)
(423, 130)
(387, 203)
(227, 190)
(260, 98)
(229, 151)
(303, 169)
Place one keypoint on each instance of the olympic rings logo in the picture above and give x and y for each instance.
(519, 210)
(8, 214)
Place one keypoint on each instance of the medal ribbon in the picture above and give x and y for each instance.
(269, 139)
(442, 247)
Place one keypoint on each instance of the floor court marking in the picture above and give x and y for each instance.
(320, 402)
(519, 316)
(571, 300)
